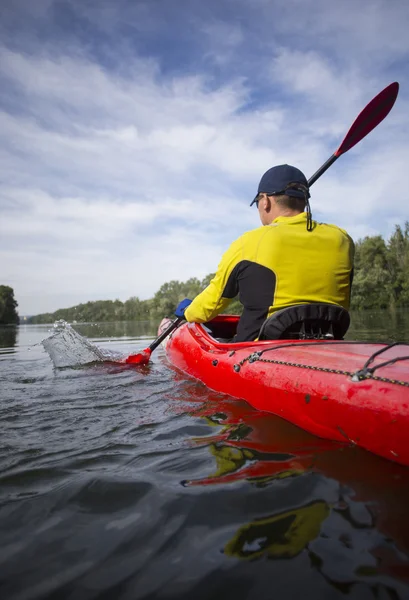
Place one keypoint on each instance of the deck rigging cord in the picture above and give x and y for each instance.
(365, 372)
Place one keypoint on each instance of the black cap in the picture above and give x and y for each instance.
(276, 180)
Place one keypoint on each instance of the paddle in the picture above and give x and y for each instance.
(373, 113)
(143, 357)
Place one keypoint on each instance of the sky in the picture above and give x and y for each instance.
(133, 133)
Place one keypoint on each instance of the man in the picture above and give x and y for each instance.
(290, 260)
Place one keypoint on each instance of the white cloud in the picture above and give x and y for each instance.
(329, 91)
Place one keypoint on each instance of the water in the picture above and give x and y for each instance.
(121, 482)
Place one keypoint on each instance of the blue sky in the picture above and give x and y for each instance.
(134, 133)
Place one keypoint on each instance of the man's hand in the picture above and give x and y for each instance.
(181, 307)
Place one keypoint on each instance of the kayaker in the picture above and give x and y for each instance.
(290, 260)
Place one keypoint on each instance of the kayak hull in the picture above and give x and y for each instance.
(310, 384)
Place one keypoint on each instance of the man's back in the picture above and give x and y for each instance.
(276, 266)
(309, 266)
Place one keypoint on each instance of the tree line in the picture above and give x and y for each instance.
(381, 280)
(162, 304)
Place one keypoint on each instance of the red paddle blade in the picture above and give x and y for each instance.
(139, 359)
(373, 113)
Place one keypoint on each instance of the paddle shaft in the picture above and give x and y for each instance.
(322, 169)
(165, 333)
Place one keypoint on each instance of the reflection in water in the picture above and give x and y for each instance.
(235, 464)
(325, 532)
(379, 325)
(279, 536)
(8, 337)
(118, 329)
(353, 528)
(255, 450)
(228, 460)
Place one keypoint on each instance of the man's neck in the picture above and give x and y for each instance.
(284, 213)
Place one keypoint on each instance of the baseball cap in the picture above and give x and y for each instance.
(275, 182)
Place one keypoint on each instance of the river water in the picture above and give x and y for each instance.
(126, 483)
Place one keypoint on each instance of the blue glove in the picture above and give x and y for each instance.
(181, 307)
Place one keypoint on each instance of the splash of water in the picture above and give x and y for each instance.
(67, 348)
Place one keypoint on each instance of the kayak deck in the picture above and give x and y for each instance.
(340, 390)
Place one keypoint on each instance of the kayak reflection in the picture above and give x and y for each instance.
(324, 532)
(279, 536)
(261, 450)
(365, 523)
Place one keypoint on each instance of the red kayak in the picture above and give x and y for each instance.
(356, 392)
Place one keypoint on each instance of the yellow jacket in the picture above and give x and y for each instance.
(276, 266)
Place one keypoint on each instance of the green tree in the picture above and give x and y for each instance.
(372, 279)
(170, 294)
(398, 261)
(8, 306)
(382, 271)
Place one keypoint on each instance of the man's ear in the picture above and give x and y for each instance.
(268, 202)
